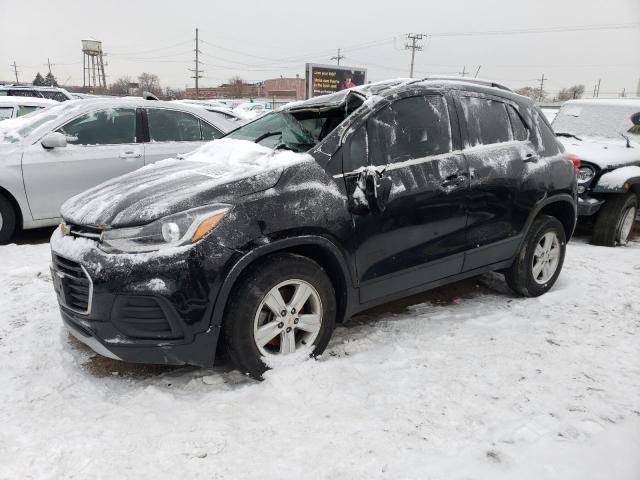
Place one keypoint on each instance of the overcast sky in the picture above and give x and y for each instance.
(259, 40)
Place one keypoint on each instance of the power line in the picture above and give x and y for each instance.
(557, 29)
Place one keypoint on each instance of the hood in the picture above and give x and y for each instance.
(603, 152)
(218, 172)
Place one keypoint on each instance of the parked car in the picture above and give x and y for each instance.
(48, 157)
(252, 110)
(12, 107)
(265, 238)
(52, 93)
(604, 136)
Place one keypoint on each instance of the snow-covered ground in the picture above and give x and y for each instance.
(467, 382)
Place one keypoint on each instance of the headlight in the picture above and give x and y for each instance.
(585, 174)
(175, 230)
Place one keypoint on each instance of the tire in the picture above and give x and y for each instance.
(7, 220)
(251, 305)
(609, 229)
(524, 277)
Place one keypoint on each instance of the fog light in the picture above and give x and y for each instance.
(581, 189)
(170, 232)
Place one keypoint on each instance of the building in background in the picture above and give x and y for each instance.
(287, 89)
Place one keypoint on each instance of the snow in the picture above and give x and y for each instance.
(469, 382)
(618, 177)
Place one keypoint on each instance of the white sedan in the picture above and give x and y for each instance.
(48, 157)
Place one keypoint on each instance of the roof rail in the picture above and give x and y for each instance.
(477, 81)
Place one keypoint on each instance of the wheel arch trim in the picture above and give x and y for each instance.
(285, 244)
(563, 198)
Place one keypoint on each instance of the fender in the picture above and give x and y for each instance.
(619, 180)
(259, 252)
(545, 202)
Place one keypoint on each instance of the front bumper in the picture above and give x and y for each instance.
(588, 206)
(145, 308)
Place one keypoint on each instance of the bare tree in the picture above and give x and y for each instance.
(570, 93)
(237, 87)
(150, 82)
(532, 92)
(120, 87)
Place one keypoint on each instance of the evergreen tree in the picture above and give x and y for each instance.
(50, 80)
(38, 81)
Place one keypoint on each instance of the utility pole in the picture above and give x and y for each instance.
(598, 88)
(15, 70)
(541, 92)
(49, 64)
(464, 71)
(338, 57)
(197, 71)
(414, 38)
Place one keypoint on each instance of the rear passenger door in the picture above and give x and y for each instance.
(420, 236)
(497, 148)
(174, 132)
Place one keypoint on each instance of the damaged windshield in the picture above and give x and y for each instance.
(298, 130)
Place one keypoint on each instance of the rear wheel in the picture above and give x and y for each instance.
(539, 262)
(283, 304)
(7, 220)
(615, 220)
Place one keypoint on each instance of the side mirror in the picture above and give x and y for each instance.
(635, 118)
(54, 140)
(377, 189)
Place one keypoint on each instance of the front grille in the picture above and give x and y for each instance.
(75, 285)
(84, 231)
(144, 317)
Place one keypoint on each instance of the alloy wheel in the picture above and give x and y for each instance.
(288, 318)
(546, 258)
(626, 224)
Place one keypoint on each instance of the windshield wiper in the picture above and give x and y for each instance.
(266, 135)
(567, 134)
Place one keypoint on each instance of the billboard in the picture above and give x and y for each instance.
(324, 79)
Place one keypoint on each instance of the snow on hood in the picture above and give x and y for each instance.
(219, 171)
(604, 152)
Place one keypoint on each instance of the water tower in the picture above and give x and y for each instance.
(93, 64)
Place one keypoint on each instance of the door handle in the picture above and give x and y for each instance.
(130, 155)
(454, 180)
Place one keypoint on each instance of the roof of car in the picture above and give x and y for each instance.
(389, 86)
(17, 100)
(622, 102)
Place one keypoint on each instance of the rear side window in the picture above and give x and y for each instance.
(487, 121)
(24, 109)
(410, 128)
(520, 130)
(24, 93)
(106, 127)
(173, 126)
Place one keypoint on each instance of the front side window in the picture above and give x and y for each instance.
(173, 126)
(106, 127)
(487, 121)
(410, 128)
(6, 112)
(209, 132)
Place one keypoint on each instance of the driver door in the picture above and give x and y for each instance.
(100, 145)
(420, 235)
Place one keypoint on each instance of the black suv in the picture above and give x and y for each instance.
(265, 238)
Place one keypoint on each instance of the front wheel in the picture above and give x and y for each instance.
(615, 220)
(539, 262)
(283, 304)
(7, 220)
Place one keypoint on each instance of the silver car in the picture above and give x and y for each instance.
(12, 107)
(48, 157)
